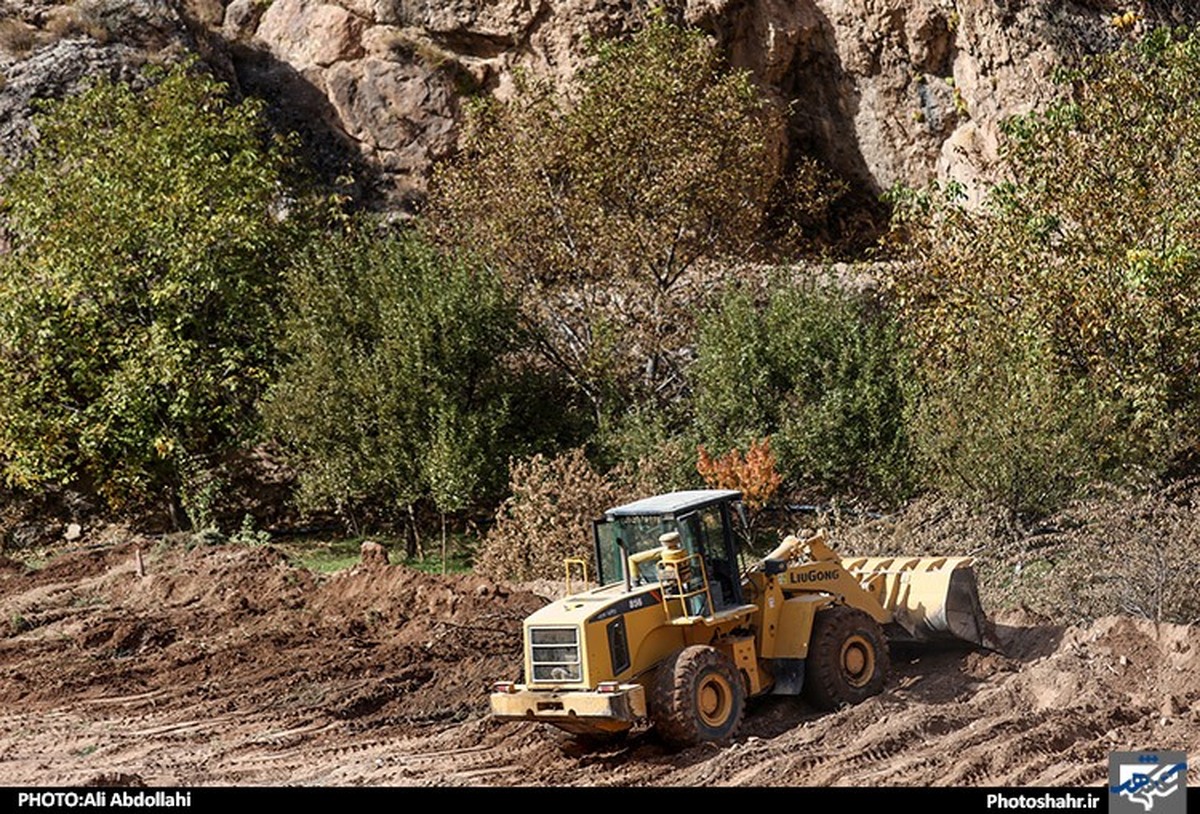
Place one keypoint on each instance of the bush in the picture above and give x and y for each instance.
(656, 445)
(1055, 329)
(753, 474)
(818, 369)
(1010, 431)
(548, 517)
(137, 306)
(395, 388)
(1126, 553)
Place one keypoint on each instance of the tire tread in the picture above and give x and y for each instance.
(825, 686)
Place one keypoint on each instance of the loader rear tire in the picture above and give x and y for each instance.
(847, 658)
(697, 697)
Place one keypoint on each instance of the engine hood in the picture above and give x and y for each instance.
(595, 605)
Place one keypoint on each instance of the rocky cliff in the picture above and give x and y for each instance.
(883, 91)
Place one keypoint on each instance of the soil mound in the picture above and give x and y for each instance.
(225, 665)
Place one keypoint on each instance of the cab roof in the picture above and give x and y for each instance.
(673, 503)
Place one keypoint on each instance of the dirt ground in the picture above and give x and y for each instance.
(224, 666)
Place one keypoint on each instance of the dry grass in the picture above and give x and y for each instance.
(17, 38)
(411, 41)
(81, 18)
(1120, 553)
(78, 19)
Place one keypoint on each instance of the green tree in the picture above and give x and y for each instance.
(147, 233)
(598, 205)
(816, 367)
(1056, 327)
(395, 389)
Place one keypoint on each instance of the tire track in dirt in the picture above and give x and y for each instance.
(229, 666)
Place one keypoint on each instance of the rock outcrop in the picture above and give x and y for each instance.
(883, 91)
(48, 50)
(906, 91)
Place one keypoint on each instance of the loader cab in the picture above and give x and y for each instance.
(704, 520)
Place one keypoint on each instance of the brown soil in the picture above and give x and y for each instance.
(229, 666)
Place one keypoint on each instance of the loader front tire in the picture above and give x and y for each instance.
(847, 658)
(697, 697)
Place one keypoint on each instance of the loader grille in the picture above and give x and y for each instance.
(554, 654)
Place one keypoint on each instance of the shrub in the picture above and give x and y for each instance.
(818, 368)
(548, 516)
(655, 444)
(1127, 553)
(17, 37)
(753, 473)
(395, 388)
(1054, 329)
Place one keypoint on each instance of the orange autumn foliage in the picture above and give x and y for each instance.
(754, 473)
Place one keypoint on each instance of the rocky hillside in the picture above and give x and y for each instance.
(884, 91)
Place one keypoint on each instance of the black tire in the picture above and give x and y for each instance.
(847, 658)
(697, 697)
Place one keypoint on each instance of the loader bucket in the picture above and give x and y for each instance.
(931, 598)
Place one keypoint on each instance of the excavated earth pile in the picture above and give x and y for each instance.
(231, 666)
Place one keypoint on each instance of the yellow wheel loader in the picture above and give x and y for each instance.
(682, 631)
